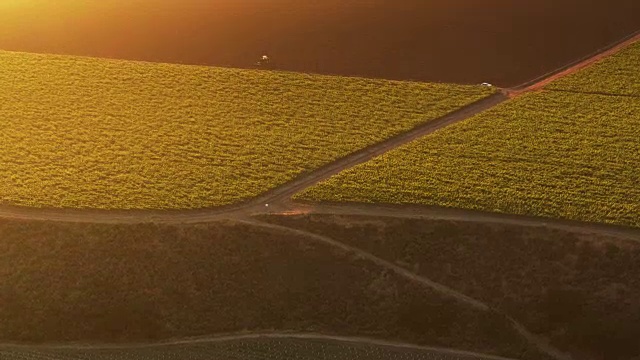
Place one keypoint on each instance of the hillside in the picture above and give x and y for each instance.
(244, 347)
(94, 133)
(581, 291)
(63, 282)
(569, 152)
(155, 207)
(504, 42)
(616, 75)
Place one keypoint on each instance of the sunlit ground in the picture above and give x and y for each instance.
(462, 41)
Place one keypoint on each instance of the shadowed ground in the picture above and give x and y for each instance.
(250, 347)
(504, 42)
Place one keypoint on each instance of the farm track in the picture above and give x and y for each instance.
(601, 93)
(542, 345)
(279, 203)
(356, 341)
(279, 196)
(274, 196)
(453, 214)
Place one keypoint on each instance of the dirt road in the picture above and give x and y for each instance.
(256, 205)
(444, 290)
(548, 78)
(424, 40)
(280, 203)
(278, 199)
(462, 215)
(541, 344)
(197, 343)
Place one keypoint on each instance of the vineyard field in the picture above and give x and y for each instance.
(246, 349)
(110, 134)
(550, 154)
(616, 75)
(148, 283)
(461, 41)
(558, 284)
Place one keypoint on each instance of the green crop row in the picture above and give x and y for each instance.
(93, 133)
(554, 282)
(618, 75)
(553, 154)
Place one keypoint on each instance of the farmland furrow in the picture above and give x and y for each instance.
(542, 345)
(378, 261)
(274, 196)
(454, 214)
(602, 93)
(354, 341)
(285, 192)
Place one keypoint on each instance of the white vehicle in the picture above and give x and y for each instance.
(264, 61)
(486, 84)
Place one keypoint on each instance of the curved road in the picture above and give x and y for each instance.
(273, 196)
(339, 340)
(280, 204)
(279, 197)
(542, 81)
(444, 290)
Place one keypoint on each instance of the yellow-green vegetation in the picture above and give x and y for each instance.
(81, 132)
(618, 75)
(552, 154)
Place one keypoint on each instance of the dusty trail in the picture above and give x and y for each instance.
(601, 93)
(589, 60)
(287, 207)
(274, 196)
(280, 195)
(279, 203)
(376, 260)
(286, 191)
(254, 336)
(541, 344)
(462, 215)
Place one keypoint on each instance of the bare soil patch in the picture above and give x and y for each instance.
(63, 282)
(504, 42)
(578, 290)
